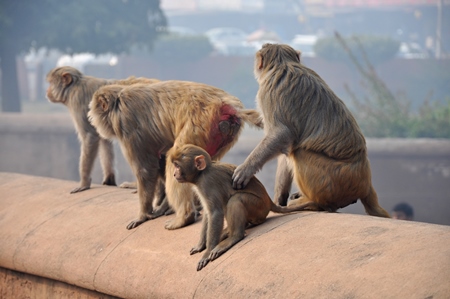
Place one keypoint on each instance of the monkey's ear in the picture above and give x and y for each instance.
(200, 162)
(66, 78)
(103, 102)
(299, 54)
(259, 61)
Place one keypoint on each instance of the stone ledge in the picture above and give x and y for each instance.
(80, 239)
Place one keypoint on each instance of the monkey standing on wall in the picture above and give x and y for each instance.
(73, 89)
(150, 120)
(325, 150)
(213, 185)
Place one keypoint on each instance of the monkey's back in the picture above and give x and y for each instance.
(299, 98)
(254, 196)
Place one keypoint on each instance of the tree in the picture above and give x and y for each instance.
(72, 26)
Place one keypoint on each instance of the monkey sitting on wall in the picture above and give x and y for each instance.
(213, 185)
(325, 150)
(70, 87)
(148, 120)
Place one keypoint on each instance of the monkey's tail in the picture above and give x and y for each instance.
(309, 206)
(372, 206)
(252, 117)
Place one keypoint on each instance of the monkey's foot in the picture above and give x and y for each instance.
(197, 249)
(136, 223)
(128, 185)
(159, 212)
(79, 189)
(295, 195)
(163, 209)
(202, 263)
(169, 211)
(179, 222)
(109, 180)
(215, 253)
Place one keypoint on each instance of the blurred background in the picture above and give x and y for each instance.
(388, 60)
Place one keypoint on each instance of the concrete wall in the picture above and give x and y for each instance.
(57, 245)
(413, 170)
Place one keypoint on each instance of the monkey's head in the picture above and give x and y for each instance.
(272, 55)
(189, 161)
(60, 80)
(102, 109)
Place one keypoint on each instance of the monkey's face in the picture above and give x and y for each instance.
(189, 161)
(178, 173)
(50, 95)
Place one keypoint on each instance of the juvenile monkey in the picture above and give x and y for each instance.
(148, 120)
(73, 89)
(213, 185)
(325, 150)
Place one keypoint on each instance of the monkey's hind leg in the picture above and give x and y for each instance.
(372, 206)
(107, 162)
(297, 199)
(236, 223)
(181, 199)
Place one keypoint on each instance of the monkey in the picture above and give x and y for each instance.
(321, 145)
(151, 120)
(70, 87)
(212, 182)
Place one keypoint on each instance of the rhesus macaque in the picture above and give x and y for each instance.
(323, 146)
(213, 185)
(73, 89)
(148, 120)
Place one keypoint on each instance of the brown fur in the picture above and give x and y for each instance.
(149, 120)
(70, 87)
(241, 208)
(325, 150)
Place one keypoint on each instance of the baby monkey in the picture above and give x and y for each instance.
(213, 185)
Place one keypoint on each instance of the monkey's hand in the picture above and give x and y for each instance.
(241, 176)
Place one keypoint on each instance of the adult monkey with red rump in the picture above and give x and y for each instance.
(70, 87)
(241, 208)
(323, 146)
(150, 120)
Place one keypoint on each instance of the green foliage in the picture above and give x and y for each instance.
(174, 48)
(79, 25)
(433, 120)
(382, 114)
(378, 48)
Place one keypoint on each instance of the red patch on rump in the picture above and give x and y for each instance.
(217, 138)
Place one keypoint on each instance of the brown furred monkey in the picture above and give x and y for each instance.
(148, 120)
(305, 120)
(73, 89)
(213, 185)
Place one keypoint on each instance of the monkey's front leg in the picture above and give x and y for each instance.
(146, 185)
(202, 242)
(89, 150)
(273, 144)
(213, 234)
